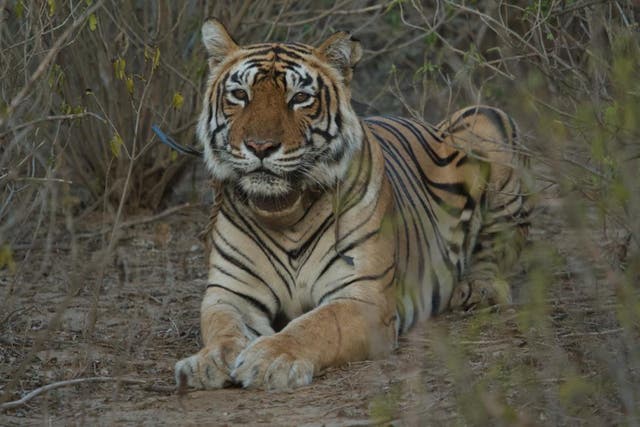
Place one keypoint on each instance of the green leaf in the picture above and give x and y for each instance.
(178, 100)
(93, 22)
(118, 68)
(156, 58)
(19, 9)
(129, 83)
(116, 144)
(6, 258)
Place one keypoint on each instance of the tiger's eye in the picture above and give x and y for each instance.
(240, 94)
(300, 97)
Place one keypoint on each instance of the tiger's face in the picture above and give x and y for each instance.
(277, 119)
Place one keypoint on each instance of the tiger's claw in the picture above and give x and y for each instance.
(265, 365)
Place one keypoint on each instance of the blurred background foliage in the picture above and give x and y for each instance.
(81, 88)
(81, 83)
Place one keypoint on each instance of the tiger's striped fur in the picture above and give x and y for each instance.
(336, 234)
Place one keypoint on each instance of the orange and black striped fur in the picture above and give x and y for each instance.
(336, 234)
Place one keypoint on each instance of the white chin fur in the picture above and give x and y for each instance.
(263, 185)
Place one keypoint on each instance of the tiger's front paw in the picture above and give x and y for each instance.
(272, 364)
(210, 368)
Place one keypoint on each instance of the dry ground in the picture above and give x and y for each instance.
(493, 367)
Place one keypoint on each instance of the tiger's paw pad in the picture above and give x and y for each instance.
(207, 369)
(262, 365)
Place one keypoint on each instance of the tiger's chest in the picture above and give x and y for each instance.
(288, 269)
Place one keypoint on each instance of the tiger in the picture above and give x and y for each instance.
(335, 234)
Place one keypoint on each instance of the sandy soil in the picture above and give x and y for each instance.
(489, 367)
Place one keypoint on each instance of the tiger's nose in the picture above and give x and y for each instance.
(262, 149)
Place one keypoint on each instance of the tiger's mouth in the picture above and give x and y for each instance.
(275, 203)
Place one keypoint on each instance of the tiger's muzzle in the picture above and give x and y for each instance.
(262, 148)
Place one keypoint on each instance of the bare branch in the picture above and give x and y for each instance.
(51, 55)
(52, 118)
(35, 393)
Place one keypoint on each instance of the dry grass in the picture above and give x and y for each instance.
(87, 292)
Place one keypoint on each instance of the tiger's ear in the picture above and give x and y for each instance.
(217, 40)
(342, 52)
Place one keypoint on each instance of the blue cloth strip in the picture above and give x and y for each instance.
(167, 140)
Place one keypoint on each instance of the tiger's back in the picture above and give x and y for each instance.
(450, 182)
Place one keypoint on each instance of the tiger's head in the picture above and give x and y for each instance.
(277, 119)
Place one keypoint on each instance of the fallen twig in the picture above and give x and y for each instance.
(26, 398)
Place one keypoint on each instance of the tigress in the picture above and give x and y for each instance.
(335, 234)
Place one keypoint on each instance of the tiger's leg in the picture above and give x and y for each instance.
(502, 214)
(226, 330)
(339, 331)
(494, 255)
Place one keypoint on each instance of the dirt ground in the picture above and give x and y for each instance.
(491, 367)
